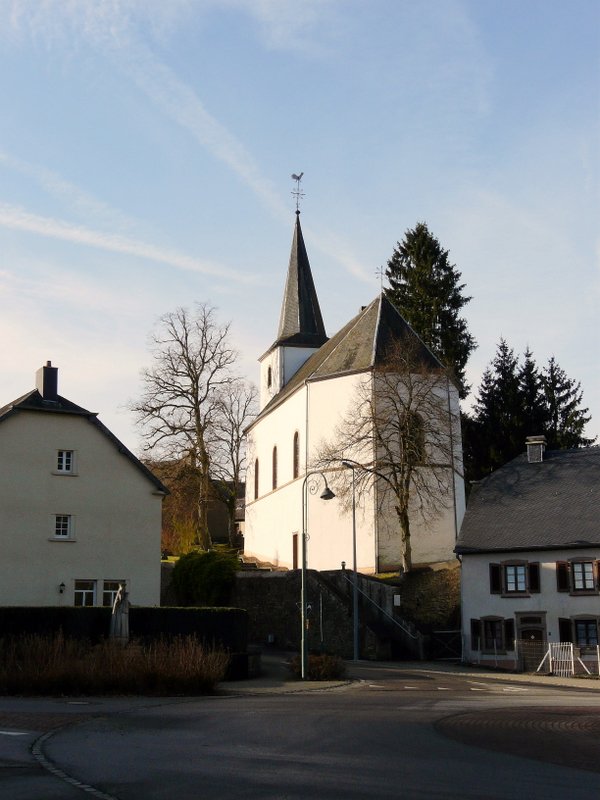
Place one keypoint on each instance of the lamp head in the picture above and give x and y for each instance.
(348, 464)
(327, 494)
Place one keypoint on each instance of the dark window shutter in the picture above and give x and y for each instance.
(534, 577)
(509, 634)
(475, 634)
(564, 630)
(597, 573)
(562, 577)
(495, 579)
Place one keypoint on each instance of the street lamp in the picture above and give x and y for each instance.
(326, 494)
(350, 465)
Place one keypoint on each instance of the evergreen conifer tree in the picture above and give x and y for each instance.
(566, 418)
(515, 401)
(534, 412)
(425, 288)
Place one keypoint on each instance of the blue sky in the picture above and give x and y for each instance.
(146, 149)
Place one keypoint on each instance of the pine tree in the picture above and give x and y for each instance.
(498, 409)
(515, 401)
(425, 288)
(566, 419)
(534, 412)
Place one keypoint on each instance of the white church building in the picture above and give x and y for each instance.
(308, 383)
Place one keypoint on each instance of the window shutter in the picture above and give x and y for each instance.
(475, 634)
(509, 634)
(564, 630)
(534, 577)
(495, 579)
(562, 577)
(597, 573)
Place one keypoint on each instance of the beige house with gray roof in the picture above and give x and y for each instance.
(79, 513)
(308, 382)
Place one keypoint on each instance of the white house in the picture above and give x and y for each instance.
(307, 384)
(79, 513)
(530, 550)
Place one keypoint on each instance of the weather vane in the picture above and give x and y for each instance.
(297, 193)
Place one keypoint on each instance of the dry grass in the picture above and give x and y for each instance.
(34, 665)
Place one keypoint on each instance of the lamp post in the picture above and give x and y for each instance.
(326, 494)
(350, 465)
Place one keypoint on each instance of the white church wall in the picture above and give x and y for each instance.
(270, 376)
(329, 401)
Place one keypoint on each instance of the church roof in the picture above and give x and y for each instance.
(300, 323)
(359, 346)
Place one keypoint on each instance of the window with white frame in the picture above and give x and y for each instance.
(492, 634)
(65, 462)
(578, 576)
(109, 591)
(516, 577)
(586, 632)
(63, 526)
(85, 593)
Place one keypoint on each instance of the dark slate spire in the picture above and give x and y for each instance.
(300, 323)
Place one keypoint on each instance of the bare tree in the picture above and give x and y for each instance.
(182, 400)
(238, 406)
(402, 433)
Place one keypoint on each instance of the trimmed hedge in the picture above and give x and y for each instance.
(225, 628)
(205, 578)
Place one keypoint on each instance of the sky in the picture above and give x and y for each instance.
(147, 147)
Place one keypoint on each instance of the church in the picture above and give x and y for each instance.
(308, 384)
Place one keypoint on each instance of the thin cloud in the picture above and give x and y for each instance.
(112, 28)
(17, 219)
(57, 186)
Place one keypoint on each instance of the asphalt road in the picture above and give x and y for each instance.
(396, 733)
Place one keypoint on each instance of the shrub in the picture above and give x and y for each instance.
(323, 667)
(205, 578)
(35, 665)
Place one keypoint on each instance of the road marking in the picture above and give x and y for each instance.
(444, 688)
(514, 689)
(411, 687)
(473, 689)
(13, 733)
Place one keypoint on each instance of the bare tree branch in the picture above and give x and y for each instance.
(182, 399)
(401, 434)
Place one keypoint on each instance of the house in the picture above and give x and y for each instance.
(79, 513)
(530, 551)
(308, 383)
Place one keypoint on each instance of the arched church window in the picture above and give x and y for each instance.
(296, 465)
(414, 437)
(274, 467)
(256, 479)
(269, 377)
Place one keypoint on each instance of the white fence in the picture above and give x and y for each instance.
(562, 659)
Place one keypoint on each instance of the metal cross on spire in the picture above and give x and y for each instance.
(297, 193)
(380, 272)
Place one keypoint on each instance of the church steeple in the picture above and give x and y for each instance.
(301, 329)
(300, 322)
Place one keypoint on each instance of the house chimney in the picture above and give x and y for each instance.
(535, 449)
(46, 382)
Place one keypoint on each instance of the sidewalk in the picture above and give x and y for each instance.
(276, 678)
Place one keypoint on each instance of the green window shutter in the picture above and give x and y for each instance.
(509, 634)
(562, 577)
(495, 579)
(475, 634)
(533, 569)
(564, 630)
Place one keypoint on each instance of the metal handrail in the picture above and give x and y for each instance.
(402, 627)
